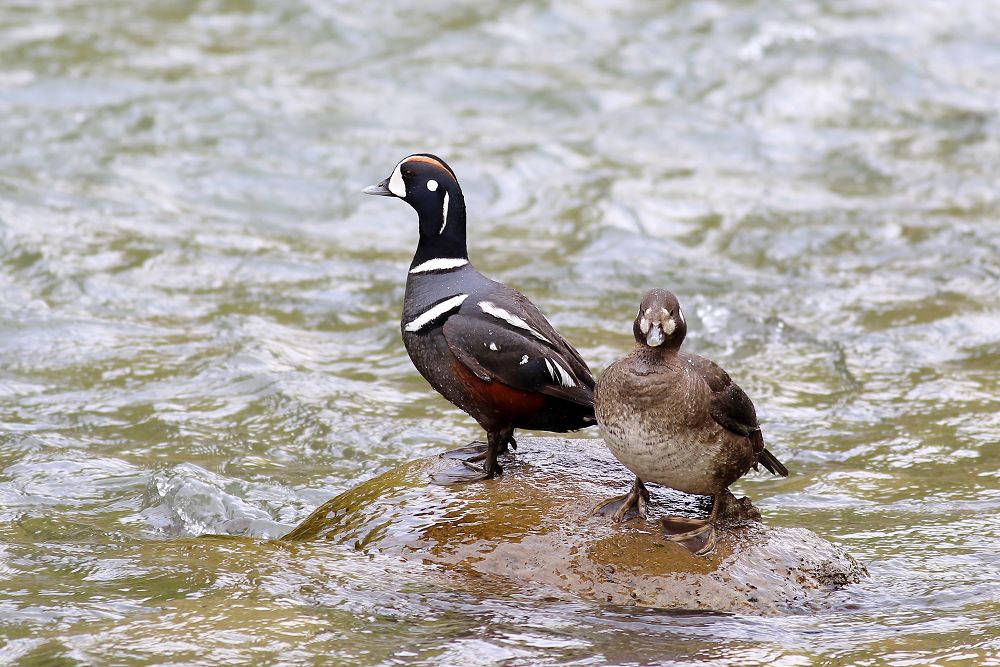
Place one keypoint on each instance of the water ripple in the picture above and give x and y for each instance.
(199, 312)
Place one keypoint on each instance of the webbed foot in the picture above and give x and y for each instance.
(469, 471)
(477, 451)
(696, 535)
(464, 473)
(623, 508)
(474, 451)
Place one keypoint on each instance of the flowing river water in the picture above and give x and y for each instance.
(199, 310)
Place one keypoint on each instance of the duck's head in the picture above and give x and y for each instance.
(660, 321)
(428, 184)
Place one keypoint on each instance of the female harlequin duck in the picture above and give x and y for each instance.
(676, 419)
(481, 344)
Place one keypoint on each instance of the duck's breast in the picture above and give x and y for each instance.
(656, 422)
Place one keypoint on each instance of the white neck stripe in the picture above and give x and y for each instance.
(444, 215)
(439, 264)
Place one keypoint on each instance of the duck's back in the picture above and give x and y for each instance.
(486, 348)
(655, 413)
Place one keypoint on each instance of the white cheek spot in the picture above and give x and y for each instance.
(644, 325)
(396, 184)
(493, 346)
(432, 185)
(524, 360)
(669, 326)
(444, 215)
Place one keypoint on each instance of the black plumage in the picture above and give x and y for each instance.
(484, 346)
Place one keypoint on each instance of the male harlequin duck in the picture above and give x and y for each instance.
(481, 344)
(676, 419)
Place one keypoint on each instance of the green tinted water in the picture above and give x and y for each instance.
(199, 311)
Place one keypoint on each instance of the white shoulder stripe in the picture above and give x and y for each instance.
(439, 264)
(496, 311)
(434, 312)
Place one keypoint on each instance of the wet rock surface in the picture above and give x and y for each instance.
(534, 525)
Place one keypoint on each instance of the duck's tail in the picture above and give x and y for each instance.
(771, 462)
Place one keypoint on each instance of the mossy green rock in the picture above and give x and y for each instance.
(534, 525)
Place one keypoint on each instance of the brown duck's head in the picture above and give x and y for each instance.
(660, 321)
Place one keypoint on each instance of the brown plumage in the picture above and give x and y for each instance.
(677, 419)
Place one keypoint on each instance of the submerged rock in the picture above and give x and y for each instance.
(534, 524)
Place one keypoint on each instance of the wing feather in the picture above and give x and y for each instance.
(494, 351)
(732, 409)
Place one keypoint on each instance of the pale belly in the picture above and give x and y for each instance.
(687, 464)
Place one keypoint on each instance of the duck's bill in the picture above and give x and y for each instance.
(655, 336)
(382, 189)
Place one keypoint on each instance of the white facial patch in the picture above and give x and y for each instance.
(432, 185)
(669, 326)
(434, 312)
(680, 314)
(439, 264)
(396, 184)
(444, 215)
(490, 308)
(646, 321)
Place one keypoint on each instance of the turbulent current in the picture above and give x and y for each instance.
(199, 311)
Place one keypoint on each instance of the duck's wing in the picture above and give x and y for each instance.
(732, 409)
(497, 341)
(537, 321)
(506, 307)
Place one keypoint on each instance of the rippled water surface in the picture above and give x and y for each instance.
(199, 311)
